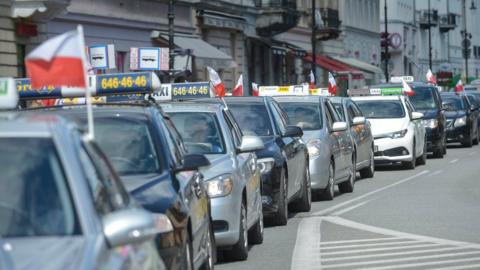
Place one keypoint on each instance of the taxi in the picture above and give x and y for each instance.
(144, 148)
(66, 199)
(398, 132)
(232, 180)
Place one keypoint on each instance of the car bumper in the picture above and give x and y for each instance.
(225, 213)
(434, 138)
(457, 134)
(318, 167)
(393, 150)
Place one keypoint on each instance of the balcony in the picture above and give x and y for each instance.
(447, 22)
(276, 16)
(423, 19)
(331, 25)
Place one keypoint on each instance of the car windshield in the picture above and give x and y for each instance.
(128, 145)
(304, 115)
(453, 103)
(253, 119)
(34, 198)
(200, 132)
(381, 108)
(423, 99)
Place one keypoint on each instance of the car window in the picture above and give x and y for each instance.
(280, 118)
(200, 132)
(339, 109)
(381, 108)
(330, 117)
(253, 119)
(35, 198)
(355, 108)
(424, 98)
(303, 114)
(174, 139)
(235, 136)
(350, 112)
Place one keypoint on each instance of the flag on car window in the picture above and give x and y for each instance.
(217, 82)
(332, 85)
(406, 89)
(431, 78)
(459, 86)
(59, 61)
(255, 89)
(238, 90)
(312, 80)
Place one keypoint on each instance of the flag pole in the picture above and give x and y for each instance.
(88, 95)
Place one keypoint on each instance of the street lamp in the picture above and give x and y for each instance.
(387, 43)
(314, 33)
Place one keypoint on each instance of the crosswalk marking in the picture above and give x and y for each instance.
(397, 266)
(382, 249)
(398, 242)
(359, 240)
(461, 267)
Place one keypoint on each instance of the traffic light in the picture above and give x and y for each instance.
(384, 39)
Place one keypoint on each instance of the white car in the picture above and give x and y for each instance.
(397, 129)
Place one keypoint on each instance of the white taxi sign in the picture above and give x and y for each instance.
(301, 90)
(8, 93)
(398, 79)
(319, 92)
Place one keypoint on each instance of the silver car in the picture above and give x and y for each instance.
(232, 179)
(331, 156)
(61, 204)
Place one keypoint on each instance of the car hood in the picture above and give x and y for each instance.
(454, 114)
(429, 114)
(47, 252)
(383, 126)
(219, 164)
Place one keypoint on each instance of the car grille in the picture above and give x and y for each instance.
(394, 152)
(450, 123)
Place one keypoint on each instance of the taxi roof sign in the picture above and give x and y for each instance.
(182, 91)
(302, 90)
(8, 94)
(398, 79)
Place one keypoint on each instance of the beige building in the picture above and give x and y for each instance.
(8, 49)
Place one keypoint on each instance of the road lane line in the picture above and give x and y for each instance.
(359, 240)
(391, 261)
(378, 230)
(472, 153)
(414, 245)
(306, 255)
(436, 173)
(453, 161)
(397, 266)
(461, 267)
(348, 209)
(399, 242)
(392, 254)
(329, 209)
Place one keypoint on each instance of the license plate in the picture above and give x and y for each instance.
(375, 148)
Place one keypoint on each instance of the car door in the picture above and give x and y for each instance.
(473, 114)
(418, 128)
(360, 134)
(338, 141)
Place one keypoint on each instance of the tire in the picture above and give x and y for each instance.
(440, 150)
(348, 186)
(281, 217)
(329, 192)
(211, 250)
(239, 251)
(369, 172)
(255, 235)
(410, 165)
(304, 203)
(423, 159)
(468, 142)
(187, 260)
(475, 139)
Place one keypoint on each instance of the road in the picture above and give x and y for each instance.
(427, 218)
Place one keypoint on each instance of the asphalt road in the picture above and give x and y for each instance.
(427, 218)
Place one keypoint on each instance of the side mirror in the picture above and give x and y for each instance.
(473, 108)
(359, 120)
(133, 226)
(339, 126)
(251, 144)
(193, 162)
(417, 115)
(293, 131)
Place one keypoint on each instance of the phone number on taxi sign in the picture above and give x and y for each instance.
(126, 81)
(190, 90)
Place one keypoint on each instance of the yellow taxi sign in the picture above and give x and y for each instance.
(301, 90)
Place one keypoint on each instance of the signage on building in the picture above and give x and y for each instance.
(102, 56)
(149, 58)
(395, 40)
(444, 78)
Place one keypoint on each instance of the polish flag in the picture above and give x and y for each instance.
(332, 85)
(238, 90)
(312, 80)
(217, 82)
(459, 86)
(406, 89)
(59, 61)
(431, 78)
(255, 89)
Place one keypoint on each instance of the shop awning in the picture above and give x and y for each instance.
(205, 54)
(359, 64)
(334, 66)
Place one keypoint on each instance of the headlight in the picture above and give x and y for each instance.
(398, 134)
(265, 164)
(219, 186)
(460, 122)
(430, 123)
(313, 147)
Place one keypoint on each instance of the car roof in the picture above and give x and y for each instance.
(399, 85)
(192, 106)
(25, 124)
(450, 94)
(307, 99)
(377, 98)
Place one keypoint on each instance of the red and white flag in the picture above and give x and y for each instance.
(59, 61)
(406, 89)
(431, 78)
(459, 86)
(312, 79)
(238, 90)
(255, 89)
(217, 82)
(332, 85)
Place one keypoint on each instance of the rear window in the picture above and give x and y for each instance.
(253, 119)
(302, 114)
(381, 108)
(423, 98)
(452, 103)
(34, 199)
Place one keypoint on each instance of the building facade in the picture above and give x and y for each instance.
(8, 48)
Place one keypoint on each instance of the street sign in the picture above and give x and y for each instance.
(102, 56)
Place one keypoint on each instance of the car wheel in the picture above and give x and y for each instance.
(475, 139)
(370, 170)
(440, 150)
(304, 203)
(210, 247)
(411, 164)
(255, 235)
(468, 142)
(348, 186)
(422, 160)
(187, 262)
(281, 217)
(239, 251)
(329, 191)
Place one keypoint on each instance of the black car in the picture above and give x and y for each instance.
(474, 99)
(462, 119)
(283, 161)
(144, 148)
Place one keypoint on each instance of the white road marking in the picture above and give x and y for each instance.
(397, 266)
(305, 254)
(348, 209)
(413, 245)
(359, 240)
(436, 173)
(327, 210)
(472, 153)
(399, 242)
(391, 261)
(475, 266)
(453, 161)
